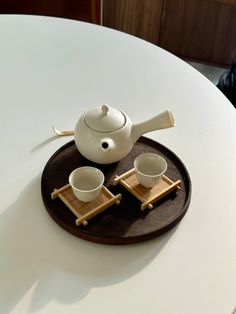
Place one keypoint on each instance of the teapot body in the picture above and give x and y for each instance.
(103, 147)
(105, 135)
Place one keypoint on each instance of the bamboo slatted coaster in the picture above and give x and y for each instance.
(85, 211)
(148, 196)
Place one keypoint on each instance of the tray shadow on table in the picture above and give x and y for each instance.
(36, 252)
(44, 143)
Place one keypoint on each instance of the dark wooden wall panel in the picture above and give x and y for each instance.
(137, 17)
(203, 30)
(199, 29)
(83, 10)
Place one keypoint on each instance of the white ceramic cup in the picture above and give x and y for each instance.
(86, 183)
(149, 169)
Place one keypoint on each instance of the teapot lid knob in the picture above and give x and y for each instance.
(104, 118)
(105, 109)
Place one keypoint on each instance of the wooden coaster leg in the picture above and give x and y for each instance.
(117, 179)
(146, 205)
(55, 193)
(84, 222)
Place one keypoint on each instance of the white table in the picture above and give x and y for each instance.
(51, 71)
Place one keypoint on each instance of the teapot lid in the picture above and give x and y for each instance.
(104, 119)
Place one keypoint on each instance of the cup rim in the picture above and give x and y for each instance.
(150, 175)
(86, 191)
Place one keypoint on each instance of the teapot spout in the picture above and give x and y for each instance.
(163, 120)
(107, 144)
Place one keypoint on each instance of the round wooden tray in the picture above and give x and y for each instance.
(126, 223)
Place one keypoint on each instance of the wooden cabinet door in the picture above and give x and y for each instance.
(203, 30)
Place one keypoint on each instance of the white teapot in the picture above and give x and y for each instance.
(105, 135)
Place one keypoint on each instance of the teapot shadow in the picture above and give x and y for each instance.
(40, 258)
(43, 143)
